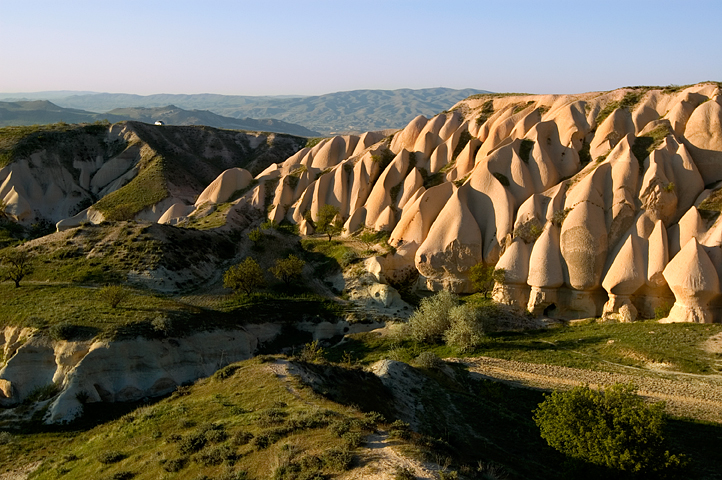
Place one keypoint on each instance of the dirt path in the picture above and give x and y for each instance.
(695, 396)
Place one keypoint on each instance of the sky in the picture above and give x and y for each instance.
(304, 47)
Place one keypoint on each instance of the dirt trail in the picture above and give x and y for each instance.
(695, 396)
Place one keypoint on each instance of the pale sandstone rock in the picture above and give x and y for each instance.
(17, 207)
(406, 138)
(492, 206)
(465, 162)
(221, 189)
(411, 184)
(386, 220)
(584, 245)
(332, 152)
(365, 141)
(689, 226)
(680, 113)
(175, 213)
(692, 277)
(613, 129)
(506, 161)
(380, 196)
(546, 273)
(624, 277)
(703, 137)
(452, 246)
(452, 126)
(514, 291)
(365, 172)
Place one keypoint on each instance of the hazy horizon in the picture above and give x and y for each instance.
(310, 48)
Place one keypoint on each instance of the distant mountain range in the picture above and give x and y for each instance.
(44, 112)
(341, 112)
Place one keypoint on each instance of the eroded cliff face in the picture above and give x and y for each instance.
(69, 174)
(583, 199)
(128, 370)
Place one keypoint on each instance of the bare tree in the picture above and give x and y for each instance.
(16, 265)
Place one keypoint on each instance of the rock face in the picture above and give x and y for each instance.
(130, 370)
(58, 171)
(582, 202)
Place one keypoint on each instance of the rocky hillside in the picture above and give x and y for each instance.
(598, 204)
(121, 171)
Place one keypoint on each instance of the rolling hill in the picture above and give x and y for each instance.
(41, 112)
(353, 111)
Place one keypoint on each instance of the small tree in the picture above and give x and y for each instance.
(246, 276)
(328, 221)
(113, 295)
(17, 264)
(429, 322)
(288, 269)
(368, 238)
(483, 277)
(613, 427)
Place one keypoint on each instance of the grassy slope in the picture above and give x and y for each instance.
(467, 421)
(589, 346)
(250, 400)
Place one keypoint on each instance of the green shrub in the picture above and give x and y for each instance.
(400, 429)
(404, 473)
(502, 179)
(429, 360)
(241, 438)
(529, 231)
(662, 311)
(111, 456)
(226, 372)
(483, 277)
(113, 295)
(288, 269)
(175, 464)
(559, 216)
(429, 322)
(6, 438)
(62, 331)
(338, 459)
(348, 258)
(246, 276)
(525, 148)
(191, 443)
(215, 455)
(255, 235)
(613, 428)
(312, 352)
(466, 330)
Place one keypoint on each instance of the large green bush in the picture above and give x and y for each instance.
(246, 277)
(466, 330)
(614, 428)
(429, 322)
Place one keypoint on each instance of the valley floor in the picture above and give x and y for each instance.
(686, 395)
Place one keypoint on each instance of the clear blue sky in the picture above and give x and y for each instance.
(280, 47)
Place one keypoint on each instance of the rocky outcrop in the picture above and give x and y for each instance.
(132, 369)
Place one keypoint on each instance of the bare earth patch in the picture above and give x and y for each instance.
(686, 395)
(21, 473)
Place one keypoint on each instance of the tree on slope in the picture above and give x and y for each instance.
(17, 264)
(328, 222)
(246, 276)
(288, 269)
